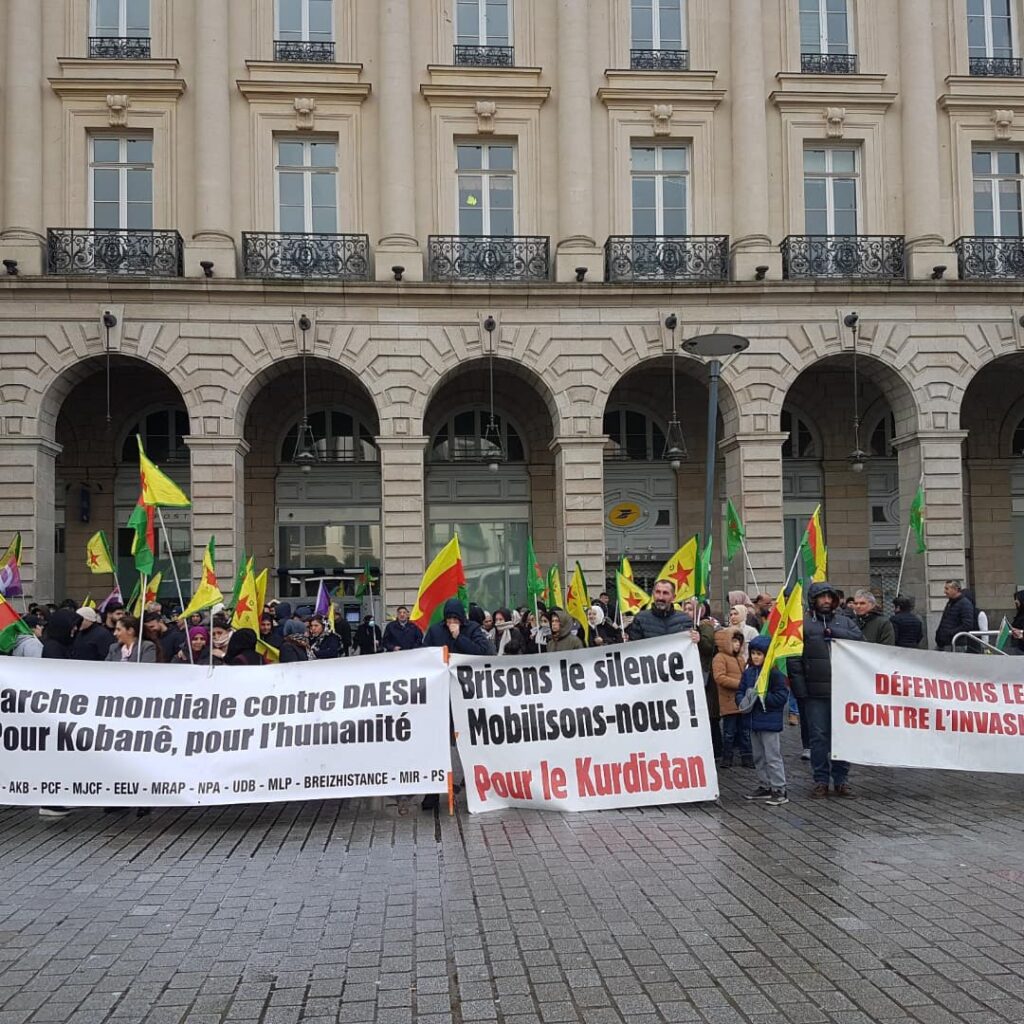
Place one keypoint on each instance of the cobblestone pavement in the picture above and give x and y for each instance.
(906, 904)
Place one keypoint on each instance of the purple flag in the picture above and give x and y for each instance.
(10, 579)
(323, 601)
(114, 595)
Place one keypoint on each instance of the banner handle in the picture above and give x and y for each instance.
(451, 794)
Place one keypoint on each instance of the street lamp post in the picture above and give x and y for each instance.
(714, 348)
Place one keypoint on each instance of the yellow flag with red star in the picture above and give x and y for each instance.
(631, 598)
(681, 569)
(158, 489)
(577, 602)
(788, 639)
(207, 594)
(247, 611)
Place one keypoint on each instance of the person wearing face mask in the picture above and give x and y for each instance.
(368, 638)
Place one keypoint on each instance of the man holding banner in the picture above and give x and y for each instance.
(811, 678)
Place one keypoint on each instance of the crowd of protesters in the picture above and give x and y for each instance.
(731, 647)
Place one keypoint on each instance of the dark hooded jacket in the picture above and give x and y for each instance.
(471, 639)
(57, 638)
(92, 644)
(957, 617)
(242, 648)
(811, 673)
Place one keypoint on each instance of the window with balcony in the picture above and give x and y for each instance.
(486, 185)
(825, 45)
(658, 33)
(307, 242)
(121, 180)
(119, 29)
(483, 33)
(991, 40)
(996, 249)
(304, 31)
(831, 246)
(660, 189)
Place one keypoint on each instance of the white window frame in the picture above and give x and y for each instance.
(484, 174)
(659, 174)
(122, 166)
(122, 21)
(304, 17)
(994, 178)
(987, 18)
(830, 176)
(656, 6)
(307, 170)
(823, 39)
(481, 25)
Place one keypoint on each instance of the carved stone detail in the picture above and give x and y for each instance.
(117, 109)
(486, 111)
(305, 106)
(835, 122)
(661, 115)
(1002, 120)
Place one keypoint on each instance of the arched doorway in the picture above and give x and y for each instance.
(650, 505)
(315, 518)
(97, 472)
(992, 413)
(494, 487)
(860, 501)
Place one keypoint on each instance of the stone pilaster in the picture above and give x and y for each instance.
(579, 491)
(218, 500)
(845, 521)
(23, 232)
(934, 456)
(211, 110)
(576, 246)
(28, 472)
(752, 245)
(398, 245)
(753, 479)
(403, 515)
(922, 207)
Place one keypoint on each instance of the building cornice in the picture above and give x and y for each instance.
(686, 88)
(117, 73)
(458, 85)
(279, 81)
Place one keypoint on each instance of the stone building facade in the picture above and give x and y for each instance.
(234, 183)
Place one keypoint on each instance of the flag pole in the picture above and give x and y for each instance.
(791, 568)
(750, 567)
(138, 635)
(903, 560)
(174, 573)
(373, 623)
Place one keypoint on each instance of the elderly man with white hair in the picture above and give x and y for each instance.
(875, 626)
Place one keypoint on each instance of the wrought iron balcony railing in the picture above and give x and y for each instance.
(828, 63)
(996, 67)
(119, 47)
(659, 60)
(485, 56)
(666, 258)
(985, 256)
(864, 257)
(303, 51)
(285, 254)
(488, 258)
(103, 251)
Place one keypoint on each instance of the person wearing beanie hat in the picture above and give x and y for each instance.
(93, 639)
(765, 724)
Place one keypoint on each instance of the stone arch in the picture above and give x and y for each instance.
(990, 409)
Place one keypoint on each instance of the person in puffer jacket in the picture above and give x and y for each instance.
(727, 669)
(811, 679)
(765, 724)
(457, 632)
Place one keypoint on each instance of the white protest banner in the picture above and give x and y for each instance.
(907, 708)
(619, 726)
(77, 733)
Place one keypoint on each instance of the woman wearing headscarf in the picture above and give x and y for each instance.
(199, 641)
(602, 632)
(741, 597)
(59, 633)
(220, 637)
(508, 637)
(242, 649)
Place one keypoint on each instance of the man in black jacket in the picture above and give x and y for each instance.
(93, 639)
(400, 634)
(811, 678)
(957, 617)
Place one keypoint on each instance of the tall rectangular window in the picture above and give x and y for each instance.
(121, 19)
(121, 182)
(307, 186)
(661, 188)
(305, 21)
(486, 184)
(483, 23)
(990, 28)
(830, 191)
(997, 193)
(658, 24)
(824, 26)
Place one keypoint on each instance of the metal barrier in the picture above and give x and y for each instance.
(976, 636)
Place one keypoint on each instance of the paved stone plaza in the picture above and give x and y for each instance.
(906, 904)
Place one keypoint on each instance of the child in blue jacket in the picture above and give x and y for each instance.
(765, 724)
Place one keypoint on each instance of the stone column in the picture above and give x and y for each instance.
(403, 517)
(23, 237)
(753, 480)
(922, 206)
(218, 500)
(576, 246)
(398, 245)
(936, 456)
(211, 110)
(579, 500)
(27, 467)
(751, 243)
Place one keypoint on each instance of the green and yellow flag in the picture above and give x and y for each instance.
(97, 553)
